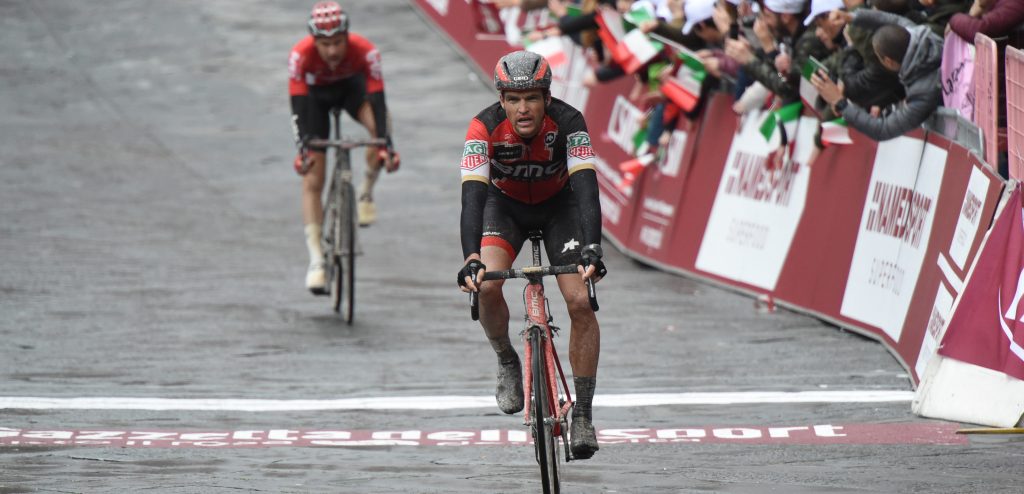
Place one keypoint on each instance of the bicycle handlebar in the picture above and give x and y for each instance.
(347, 143)
(529, 272)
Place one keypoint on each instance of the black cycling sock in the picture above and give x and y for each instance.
(584, 396)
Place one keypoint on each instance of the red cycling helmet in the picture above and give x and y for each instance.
(327, 19)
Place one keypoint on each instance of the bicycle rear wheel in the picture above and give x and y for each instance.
(544, 441)
(347, 259)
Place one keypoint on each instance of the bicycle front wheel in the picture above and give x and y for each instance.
(543, 419)
(347, 259)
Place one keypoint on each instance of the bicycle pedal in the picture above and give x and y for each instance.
(320, 291)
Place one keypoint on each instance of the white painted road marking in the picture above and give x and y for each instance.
(930, 432)
(448, 402)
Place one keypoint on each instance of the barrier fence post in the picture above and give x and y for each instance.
(986, 94)
(1015, 111)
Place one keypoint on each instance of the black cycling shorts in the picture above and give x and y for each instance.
(348, 93)
(507, 222)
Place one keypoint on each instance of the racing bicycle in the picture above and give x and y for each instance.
(339, 226)
(544, 384)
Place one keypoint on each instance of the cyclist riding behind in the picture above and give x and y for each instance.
(528, 164)
(334, 68)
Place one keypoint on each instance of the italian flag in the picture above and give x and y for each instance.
(684, 88)
(550, 48)
(639, 13)
(779, 126)
(835, 132)
(630, 50)
(808, 92)
(631, 169)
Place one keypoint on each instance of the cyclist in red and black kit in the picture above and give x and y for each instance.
(334, 68)
(528, 164)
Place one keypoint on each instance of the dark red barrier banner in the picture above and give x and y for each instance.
(992, 303)
(874, 236)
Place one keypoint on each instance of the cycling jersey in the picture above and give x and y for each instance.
(306, 68)
(528, 172)
(315, 87)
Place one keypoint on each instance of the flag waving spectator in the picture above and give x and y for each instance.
(785, 47)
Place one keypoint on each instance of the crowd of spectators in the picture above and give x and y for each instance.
(875, 63)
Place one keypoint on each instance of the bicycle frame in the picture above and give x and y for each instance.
(539, 326)
(341, 179)
(339, 219)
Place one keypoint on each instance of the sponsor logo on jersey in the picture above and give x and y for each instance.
(373, 60)
(474, 155)
(508, 152)
(527, 170)
(579, 146)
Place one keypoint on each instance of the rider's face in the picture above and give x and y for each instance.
(525, 110)
(332, 49)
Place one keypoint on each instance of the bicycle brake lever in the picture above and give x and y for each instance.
(592, 295)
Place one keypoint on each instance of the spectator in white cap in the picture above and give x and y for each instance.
(785, 47)
(821, 8)
(786, 6)
(698, 14)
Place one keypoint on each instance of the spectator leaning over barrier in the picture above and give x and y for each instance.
(785, 46)
(734, 17)
(997, 19)
(725, 17)
(582, 29)
(609, 70)
(914, 52)
(671, 27)
(862, 77)
(903, 8)
(865, 81)
(938, 12)
(1000, 20)
(700, 33)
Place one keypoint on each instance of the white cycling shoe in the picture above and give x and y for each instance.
(316, 277)
(367, 212)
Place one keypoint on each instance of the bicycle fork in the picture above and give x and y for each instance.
(539, 328)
